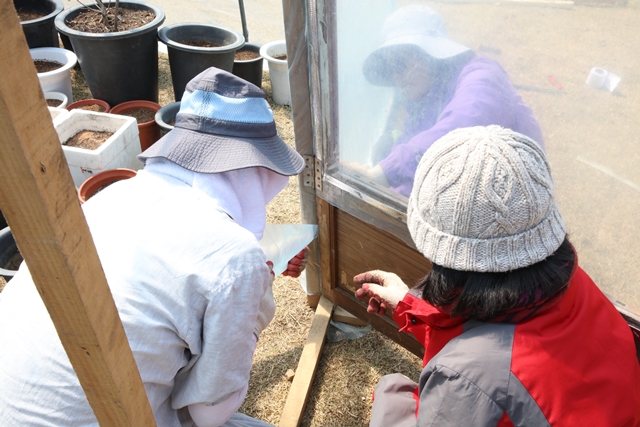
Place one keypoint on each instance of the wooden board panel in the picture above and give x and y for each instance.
(349, 246)
(41, 205)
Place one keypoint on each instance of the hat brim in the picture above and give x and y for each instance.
(379, 71)
(208, 153)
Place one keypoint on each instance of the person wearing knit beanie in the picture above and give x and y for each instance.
(514, 331)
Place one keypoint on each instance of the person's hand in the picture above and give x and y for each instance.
(267, 309)
(372, 174)
(382, 289)
(297, 264)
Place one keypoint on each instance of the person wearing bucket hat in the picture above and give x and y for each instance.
(514, 331)
(441, 85)
(179, 246)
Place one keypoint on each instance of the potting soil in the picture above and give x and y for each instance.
(43, 65)
(53, 102)
(92, 107)
(142, 115)
(28, 15)
(88, 139)
(245, 55)
(198, 43)
(90, 21)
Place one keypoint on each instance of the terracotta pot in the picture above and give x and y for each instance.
(91, 101)
(99, 180)
(149, 132)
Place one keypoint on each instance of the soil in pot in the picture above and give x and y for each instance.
(44, 66)
(198, 43)
(93, 107)
(88, 139)
(246, 55)
(28, 15)
(53, 102)
(280, 57)
(90, 21)
(142, 115)
(89, 104)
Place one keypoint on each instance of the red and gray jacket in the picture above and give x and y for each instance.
(573, 364)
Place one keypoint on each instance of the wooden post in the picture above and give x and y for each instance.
(299, 391)
(40, 203)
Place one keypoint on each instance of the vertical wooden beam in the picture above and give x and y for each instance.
(39, 200)
(327, 241)
(294, 13)
(299, 391)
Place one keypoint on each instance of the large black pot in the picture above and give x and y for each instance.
(118, 67)
(250, 69)
(10, 257)
(40, 32)
(187, 61)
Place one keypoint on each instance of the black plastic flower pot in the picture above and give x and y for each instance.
(187, 60)
(249, 69)
(121, 66)
(40, 32)
(10, 257)
(167, 115)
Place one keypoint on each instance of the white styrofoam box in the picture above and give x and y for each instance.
(57, 113)
(119, 151)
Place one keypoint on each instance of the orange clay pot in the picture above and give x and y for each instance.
(96, 182)
(85, 102)
(149, 131)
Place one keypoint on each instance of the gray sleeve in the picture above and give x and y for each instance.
(393, 402)
(450, 399)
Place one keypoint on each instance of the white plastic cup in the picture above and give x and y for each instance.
(278, 71)
(64, 100)
(58, 80)
(597, 77)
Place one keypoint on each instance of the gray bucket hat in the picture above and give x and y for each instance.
(414, 25)
(224, 124)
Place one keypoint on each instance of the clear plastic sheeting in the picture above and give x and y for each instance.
(339, 331)
(281, 242)
(398, 75)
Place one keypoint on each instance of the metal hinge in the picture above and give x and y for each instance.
(312, 172)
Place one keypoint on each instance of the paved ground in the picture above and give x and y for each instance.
(264, 17)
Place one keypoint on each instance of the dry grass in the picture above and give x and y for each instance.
(349, 370)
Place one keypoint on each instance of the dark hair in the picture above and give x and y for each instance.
(484, 296)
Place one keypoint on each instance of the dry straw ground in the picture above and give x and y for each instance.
(348, 370)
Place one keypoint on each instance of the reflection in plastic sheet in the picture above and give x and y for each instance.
(406, 80)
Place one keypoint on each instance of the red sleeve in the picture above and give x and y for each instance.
(431, 327)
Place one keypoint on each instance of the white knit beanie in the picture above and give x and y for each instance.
(483, 201)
